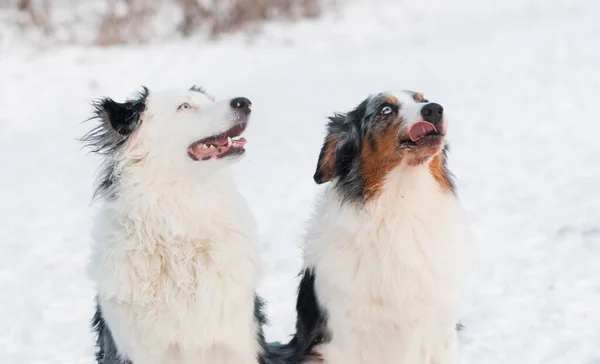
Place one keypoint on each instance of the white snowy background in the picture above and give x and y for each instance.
(519, 79)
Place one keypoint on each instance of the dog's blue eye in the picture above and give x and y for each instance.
(386, 110)
(184, 106)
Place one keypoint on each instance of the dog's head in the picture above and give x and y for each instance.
(384, 131)
(172, 131)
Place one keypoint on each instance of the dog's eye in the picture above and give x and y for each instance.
(184, 106)
(386, 110)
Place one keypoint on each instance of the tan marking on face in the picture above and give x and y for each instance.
(376, 163)
(390, 100)
(418, 96)
(436, 167)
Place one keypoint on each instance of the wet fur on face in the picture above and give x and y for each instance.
(362, 146)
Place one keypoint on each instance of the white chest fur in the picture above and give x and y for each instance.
(388, 274)
(176, 271)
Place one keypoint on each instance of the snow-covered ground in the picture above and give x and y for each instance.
(520, 80)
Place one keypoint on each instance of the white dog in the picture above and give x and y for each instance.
(174, 258)
(383, 256)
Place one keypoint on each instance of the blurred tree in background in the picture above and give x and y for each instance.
(109, 22)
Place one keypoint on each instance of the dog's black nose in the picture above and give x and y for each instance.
(432, 112)
(242, 103)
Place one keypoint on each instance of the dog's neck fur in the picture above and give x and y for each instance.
(165, 204)
(408, 189)
(412, 227)
(175, 221)
(388, 272)
(406, 193)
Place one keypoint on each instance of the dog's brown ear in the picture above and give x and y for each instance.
(341, 146)
(326, 163)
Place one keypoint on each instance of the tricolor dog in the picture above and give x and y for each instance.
(174, 259)
(383, 255)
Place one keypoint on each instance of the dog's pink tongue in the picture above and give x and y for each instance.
(420, 129)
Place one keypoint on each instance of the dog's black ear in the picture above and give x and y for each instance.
(122, 117)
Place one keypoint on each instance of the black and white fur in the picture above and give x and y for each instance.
(383, 270)
(174, 259)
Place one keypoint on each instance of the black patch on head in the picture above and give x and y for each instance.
(106, 349)
(116, 121)
(123, 117)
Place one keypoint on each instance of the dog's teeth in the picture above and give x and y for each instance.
(229, 142)
(211, 147)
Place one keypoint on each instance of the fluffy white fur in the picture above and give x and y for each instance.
(388, 273)
(174, 255)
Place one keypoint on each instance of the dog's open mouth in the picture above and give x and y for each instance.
(219, 146)
(422, 133)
